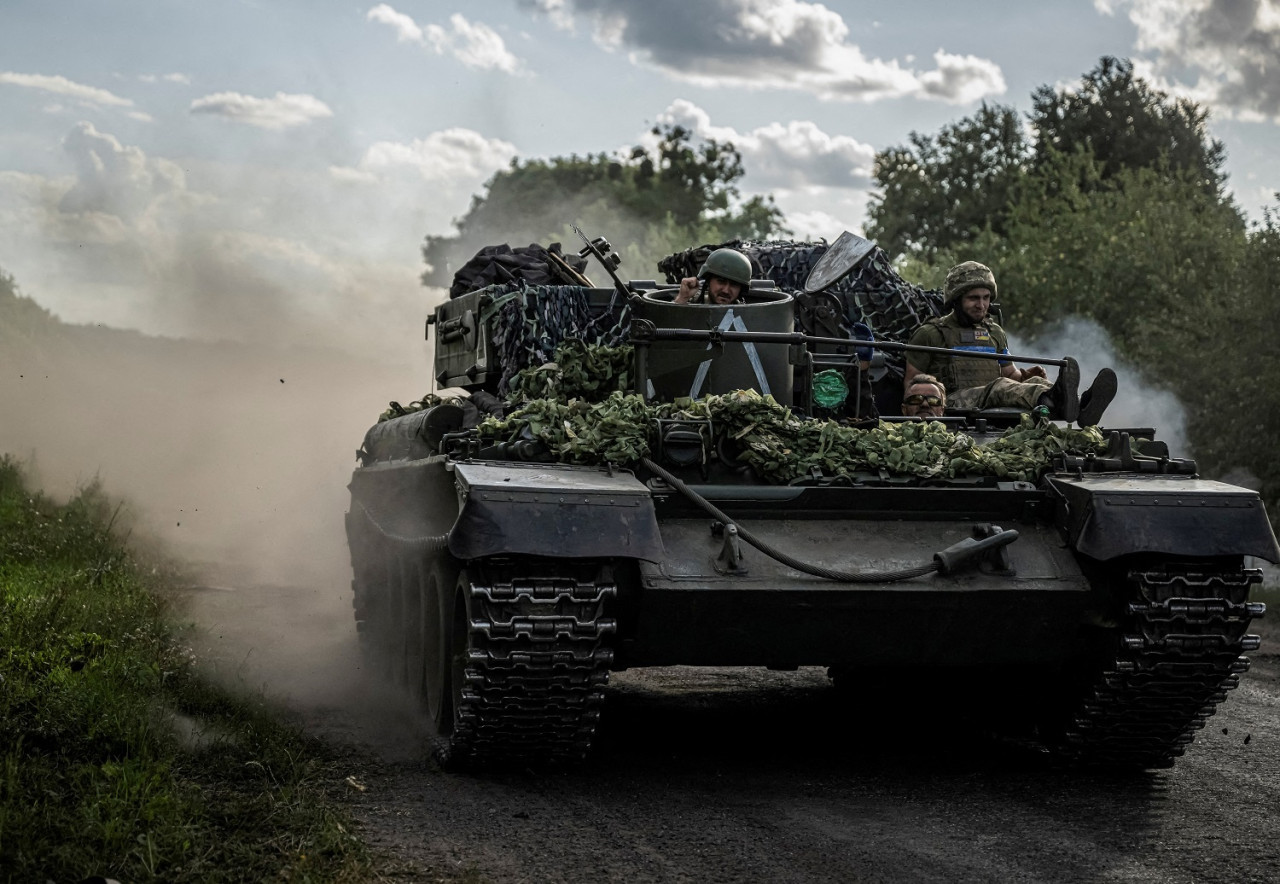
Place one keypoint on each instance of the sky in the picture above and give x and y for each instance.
(265, 171)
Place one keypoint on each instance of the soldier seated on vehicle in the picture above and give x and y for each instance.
(988, 383)
(724, 276)
(925, 398)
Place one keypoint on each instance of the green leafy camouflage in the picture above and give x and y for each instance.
(781, 447)
(613, 431)
(578, 370)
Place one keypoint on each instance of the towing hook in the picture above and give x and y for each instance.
(971, 550)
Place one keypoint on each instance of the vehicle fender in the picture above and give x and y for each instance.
(1108, 516)
(553, 510)
(406, 500)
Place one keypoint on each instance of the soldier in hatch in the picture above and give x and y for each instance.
(989, 383)
(724, 276)
(925, 398)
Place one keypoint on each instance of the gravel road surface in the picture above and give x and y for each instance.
(713, 775)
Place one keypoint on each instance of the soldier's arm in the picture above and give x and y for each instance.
(1012, 372)
(688, 288)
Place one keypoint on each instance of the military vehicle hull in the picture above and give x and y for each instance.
(504, 593)
(502, 586)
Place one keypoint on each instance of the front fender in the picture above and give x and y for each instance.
(1108, 516)
(553, 510)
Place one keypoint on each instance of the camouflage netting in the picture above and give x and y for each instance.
(878, 296)
(530, 321)
(502, 265)
(781, 447)
(579, 371)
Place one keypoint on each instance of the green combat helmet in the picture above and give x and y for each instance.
(728, 264)
(966, 277)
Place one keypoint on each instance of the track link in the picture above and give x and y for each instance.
(537, 663)
(1179, 655)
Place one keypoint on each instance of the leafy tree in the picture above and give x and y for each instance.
(1241, 417)
(1148, 255)
(20, 317)
(666, 198)
(1126, 124)
(1182, 289)
(940, 192)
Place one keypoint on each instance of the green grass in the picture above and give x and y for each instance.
(99, 771)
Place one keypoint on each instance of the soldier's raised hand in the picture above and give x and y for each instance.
(688, 289)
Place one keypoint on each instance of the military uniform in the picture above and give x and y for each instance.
(973, 383)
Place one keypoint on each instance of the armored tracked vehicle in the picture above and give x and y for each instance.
(674, 491)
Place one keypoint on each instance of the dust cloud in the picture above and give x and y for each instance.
(232, 458)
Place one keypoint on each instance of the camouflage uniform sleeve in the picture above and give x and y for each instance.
(925, 336)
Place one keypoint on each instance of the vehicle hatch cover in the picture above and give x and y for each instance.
(838, 261)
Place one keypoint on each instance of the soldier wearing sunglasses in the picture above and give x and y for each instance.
(925, 397)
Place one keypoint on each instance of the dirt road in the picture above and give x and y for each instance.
(742, 775)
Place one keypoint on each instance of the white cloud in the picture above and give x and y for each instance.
(1231, 48)
(407, 31)
(59, 85)
(818, 224)
(114, 179)
(796, 154)
(820, 181)
(768, 44)
(962, 79)
(283, 255)
(556, 10)
(182, 79)
(441, 157)
(474, 44)
(281, 111)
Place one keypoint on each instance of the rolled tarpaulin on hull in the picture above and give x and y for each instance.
(699, 368)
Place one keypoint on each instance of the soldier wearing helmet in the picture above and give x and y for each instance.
(724, 276)
(984, 383)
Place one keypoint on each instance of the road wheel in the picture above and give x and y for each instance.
(436, 629)
(412, 624)
(393, 634)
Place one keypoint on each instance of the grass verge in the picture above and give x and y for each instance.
(116, 758)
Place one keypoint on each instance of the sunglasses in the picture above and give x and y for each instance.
(917, 399)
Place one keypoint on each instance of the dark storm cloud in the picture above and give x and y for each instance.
(1244, 35)
(776, 44)
(1230, 48)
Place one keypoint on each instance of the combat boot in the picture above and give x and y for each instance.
(1094, 401)
(1063, 398)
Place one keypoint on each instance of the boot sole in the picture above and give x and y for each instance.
(1100, 393)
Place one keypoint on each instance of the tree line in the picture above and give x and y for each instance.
(658, 200)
